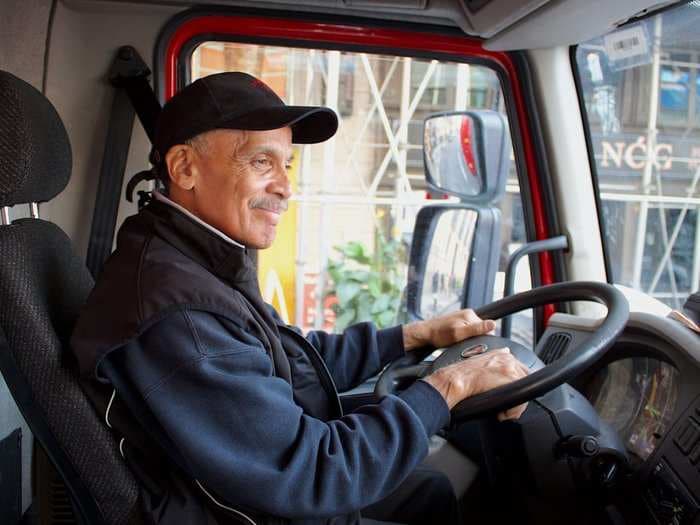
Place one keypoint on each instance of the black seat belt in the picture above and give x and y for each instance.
(133, 96)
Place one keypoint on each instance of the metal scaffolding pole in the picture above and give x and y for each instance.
(394, 138)
(666, 199)
(695, 275)
(651, 156)
(401, 184)
(368, 119)
(463, 87)
(332, 79)
(666, 259)
(291, 74)
(303, 190)
(402, 133)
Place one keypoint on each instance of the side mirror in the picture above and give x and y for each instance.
(453, 260)
(467, 154)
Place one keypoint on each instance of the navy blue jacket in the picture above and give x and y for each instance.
(249, 404)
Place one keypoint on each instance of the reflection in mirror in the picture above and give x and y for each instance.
(448, 262)
(451, 154)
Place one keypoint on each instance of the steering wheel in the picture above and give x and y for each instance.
(543, 378)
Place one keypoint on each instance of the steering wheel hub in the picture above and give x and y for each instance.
(473, 351)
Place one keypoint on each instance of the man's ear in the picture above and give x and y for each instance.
(182, 166)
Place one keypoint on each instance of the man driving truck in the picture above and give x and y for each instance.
(227, 414)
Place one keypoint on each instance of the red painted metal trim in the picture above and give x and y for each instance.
(312, 33)
(467, 146)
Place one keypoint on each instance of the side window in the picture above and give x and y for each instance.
(341, 253)
(643, 107)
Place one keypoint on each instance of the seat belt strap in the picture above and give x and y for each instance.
(133, 96)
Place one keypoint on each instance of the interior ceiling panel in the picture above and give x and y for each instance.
(504, 24)
(570, 22)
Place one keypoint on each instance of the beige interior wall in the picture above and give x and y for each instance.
(83, 43)
(23, 25)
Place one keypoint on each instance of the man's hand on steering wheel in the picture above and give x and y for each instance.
(479, 374)
(471, 376)
(511, 389)
(445, 330)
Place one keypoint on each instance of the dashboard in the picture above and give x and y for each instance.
(647, 388)
(637, 396)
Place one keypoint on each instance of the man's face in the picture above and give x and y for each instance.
(240, 183)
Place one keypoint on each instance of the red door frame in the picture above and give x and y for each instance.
(311, 33)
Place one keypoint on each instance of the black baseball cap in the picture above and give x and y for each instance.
(236, 100)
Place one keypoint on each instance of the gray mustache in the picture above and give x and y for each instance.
(266, 203)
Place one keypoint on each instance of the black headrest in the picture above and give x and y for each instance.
(35, 154)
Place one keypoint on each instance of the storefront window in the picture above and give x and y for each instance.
(675, 91)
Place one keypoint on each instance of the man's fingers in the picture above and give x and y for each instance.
(513, 370)
(477, 374)
(525, 370)
(488, 326)
(480, 327)
(450, 329)
(512, 413)
(518, 371)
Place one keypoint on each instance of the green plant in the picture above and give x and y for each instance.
(367, 286)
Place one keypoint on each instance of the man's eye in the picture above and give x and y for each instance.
(261, 163)
(288, 167)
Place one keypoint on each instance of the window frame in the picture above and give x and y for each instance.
(578, 82)
(184, 32)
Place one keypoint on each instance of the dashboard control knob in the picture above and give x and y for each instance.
(580, 446)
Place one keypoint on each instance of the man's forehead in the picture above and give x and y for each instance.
(247, 142)
(276, 140)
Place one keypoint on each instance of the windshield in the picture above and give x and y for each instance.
(641, 89)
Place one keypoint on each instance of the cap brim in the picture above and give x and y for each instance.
(310, 124)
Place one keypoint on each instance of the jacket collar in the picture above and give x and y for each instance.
(162, 198)
(230, 262)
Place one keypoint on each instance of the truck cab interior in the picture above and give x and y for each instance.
(535, 160)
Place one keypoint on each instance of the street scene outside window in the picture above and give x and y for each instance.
(641, 87)
(342, 249)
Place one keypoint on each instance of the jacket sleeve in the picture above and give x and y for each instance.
(210, 387)
(358, 353)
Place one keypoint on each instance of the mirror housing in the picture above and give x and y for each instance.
(467, 154)
(453, 259)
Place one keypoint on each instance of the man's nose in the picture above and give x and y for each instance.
(281, 185)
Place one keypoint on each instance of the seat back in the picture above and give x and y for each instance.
(43, 284)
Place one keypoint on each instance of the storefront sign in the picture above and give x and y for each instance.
(630, 152)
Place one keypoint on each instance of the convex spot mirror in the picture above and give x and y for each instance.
(453, 260)
(467, 154)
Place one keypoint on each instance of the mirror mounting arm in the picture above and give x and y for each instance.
(560, 242)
